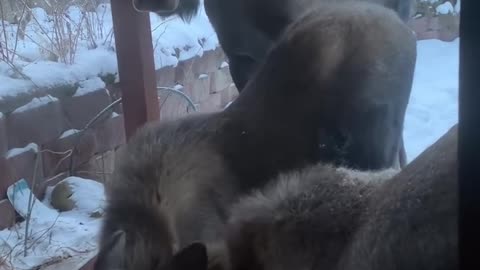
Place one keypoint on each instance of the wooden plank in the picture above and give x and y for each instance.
(90, 264)
(136, 68)
(81, 261)
(469, 135)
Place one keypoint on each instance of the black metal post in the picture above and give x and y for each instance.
(469, 135)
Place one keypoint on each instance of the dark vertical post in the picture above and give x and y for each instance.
(136, 68)
(469, 135)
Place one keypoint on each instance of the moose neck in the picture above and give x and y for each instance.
(274, 121)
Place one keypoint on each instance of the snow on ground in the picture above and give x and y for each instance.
(173, 41)
(445, 8)
(458, 6)
(17, 151)
(53, 236)
(89, 85)
(68, 133)
(35, 103)
(433, 106)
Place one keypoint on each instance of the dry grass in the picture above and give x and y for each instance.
(59, 37)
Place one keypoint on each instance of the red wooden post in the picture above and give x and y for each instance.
(136, 67)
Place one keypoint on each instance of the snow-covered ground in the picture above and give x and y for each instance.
(433, 106)
(53, 237)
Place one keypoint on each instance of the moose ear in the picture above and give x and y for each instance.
(192, 257)
(112, 252)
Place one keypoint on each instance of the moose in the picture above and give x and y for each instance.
(325, 217)
(336, 68)
(246, 30)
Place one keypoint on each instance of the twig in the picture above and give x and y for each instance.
(103, 168)
(17, 35)
(108, 108)
(19, 72)
(158, 38)
(44, 232)
(173, 90)
(73, 42)
(75, 250)
(45, 32)
(103, 173)
(4, 30)
(9, 256)
(87, 126)
(96, 117)
(30, 203)
(67, 154)
(109, 38)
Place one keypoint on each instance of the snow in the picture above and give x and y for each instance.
(18, 151)
(458, 6)
(94, 55)
(69, 133)
(181, 41)
(228, 104)
(433, 106)
(88, 195)
(178, 87)
(224, 64)
(18, 194)
(89, 85)
(430, 1)
(35, 103)
(445, 8)
(54, 236)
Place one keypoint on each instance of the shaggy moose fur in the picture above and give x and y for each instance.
(247, 29)
(272, 16)
(174, 182)
(326, 218)
(332, 63)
